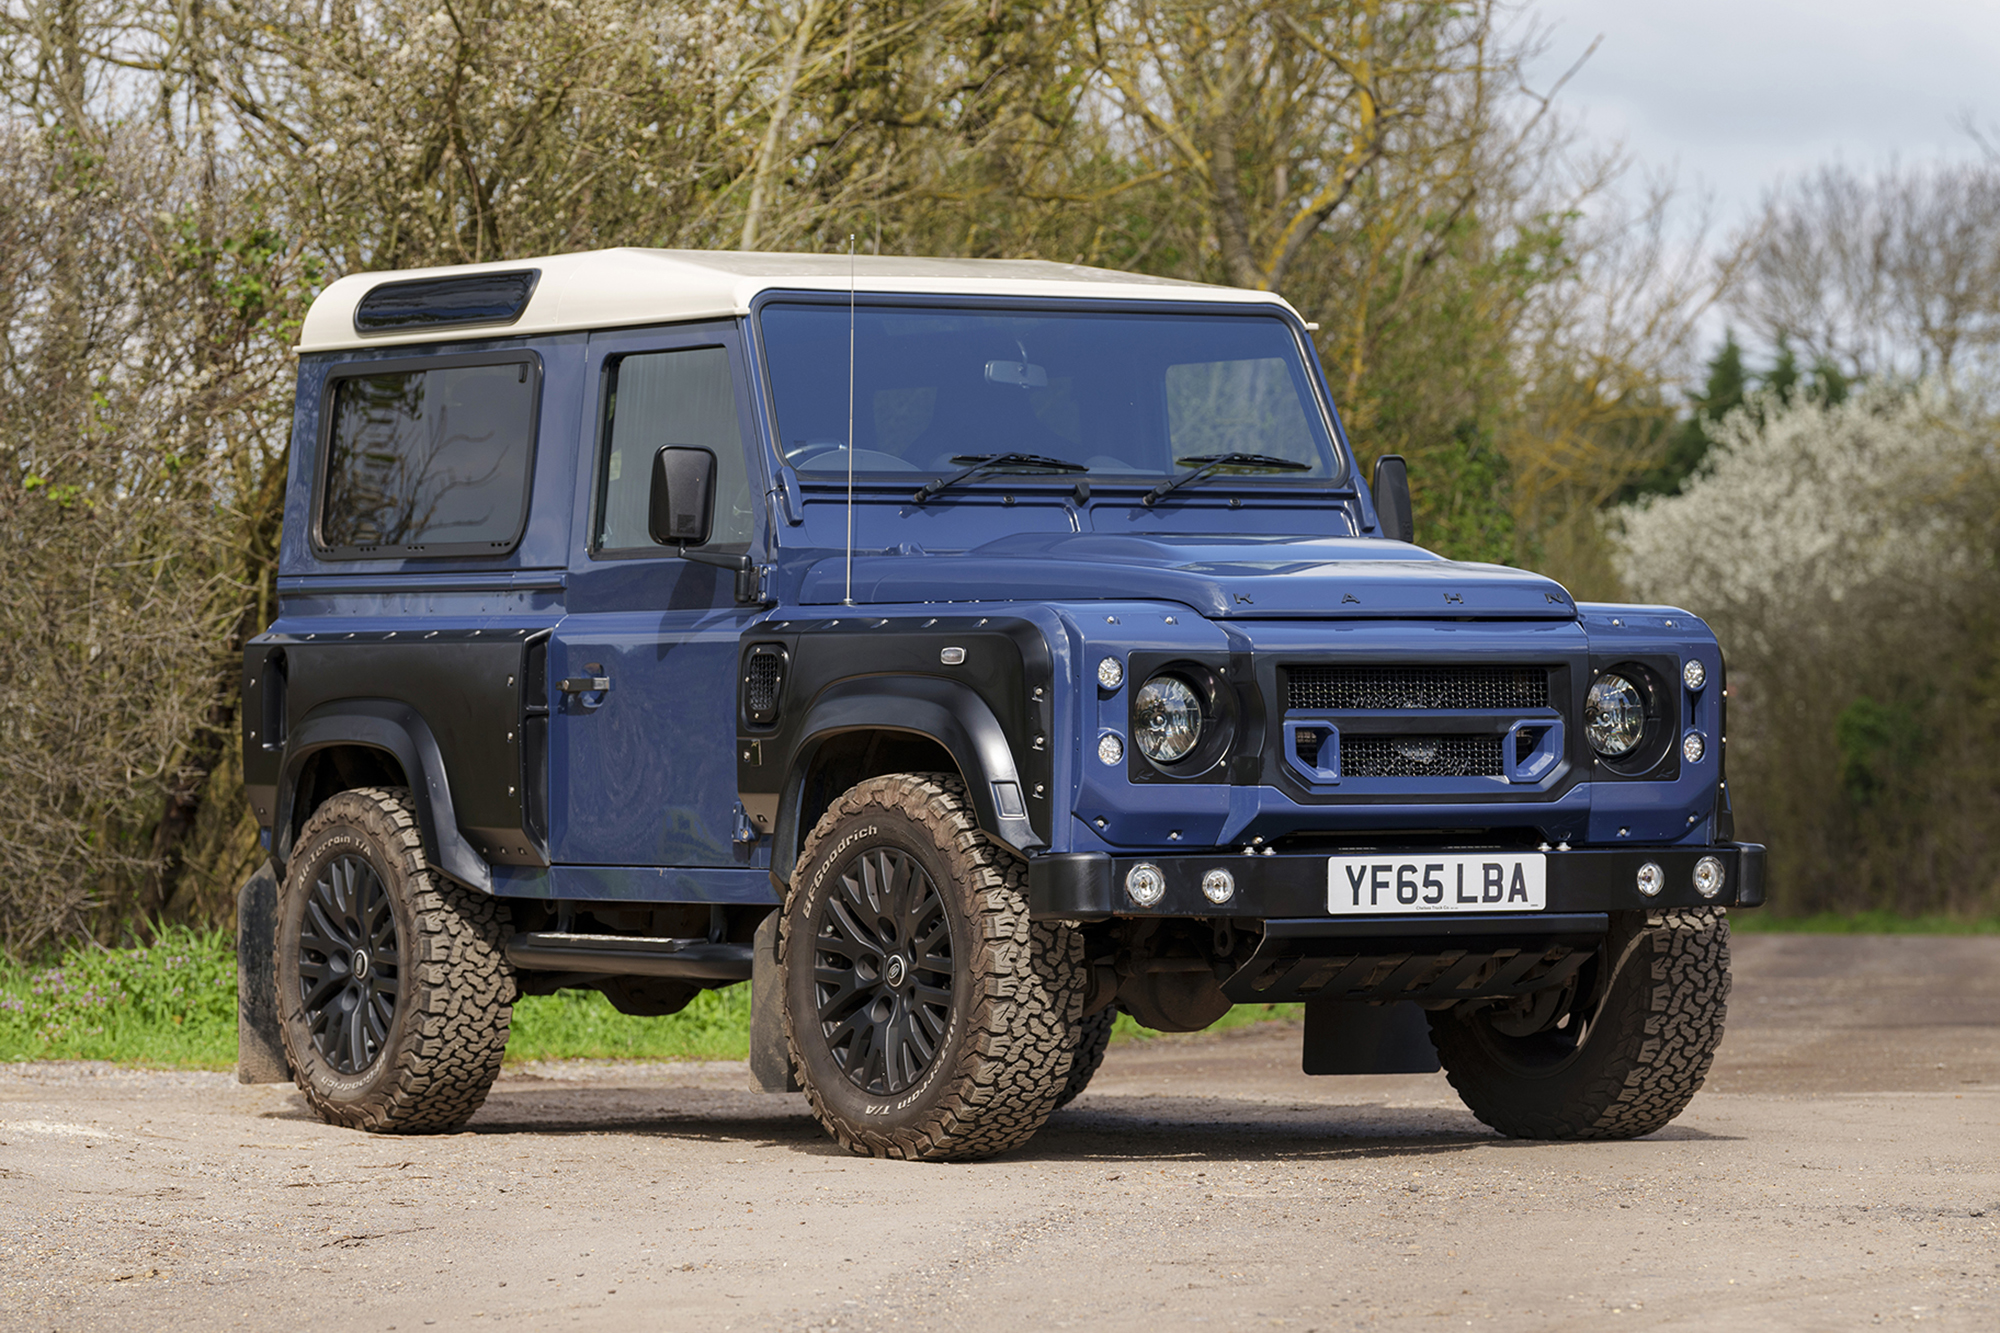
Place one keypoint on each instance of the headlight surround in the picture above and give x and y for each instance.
(1614, 715)
(1167, 718)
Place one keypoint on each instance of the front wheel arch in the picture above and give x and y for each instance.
(944, 717)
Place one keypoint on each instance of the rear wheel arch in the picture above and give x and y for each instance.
(355, 743)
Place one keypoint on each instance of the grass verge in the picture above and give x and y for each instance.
(172, 1004)
(1759, 922)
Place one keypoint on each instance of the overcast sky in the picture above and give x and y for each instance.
(1738, 93)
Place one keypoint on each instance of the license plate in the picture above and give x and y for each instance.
(1406, 882)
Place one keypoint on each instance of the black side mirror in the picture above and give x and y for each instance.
(1392, 498)
(682, 503)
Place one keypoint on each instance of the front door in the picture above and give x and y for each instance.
(643, 771)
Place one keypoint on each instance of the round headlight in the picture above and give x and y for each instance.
(1708, 877)
(1167, 719)
(1651, 880)
(1145, 883)
(1110, 673)
(1614, 716)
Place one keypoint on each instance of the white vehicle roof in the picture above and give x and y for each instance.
(602, 289)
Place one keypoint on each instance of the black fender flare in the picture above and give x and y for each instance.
(399, 731)
(945, 711)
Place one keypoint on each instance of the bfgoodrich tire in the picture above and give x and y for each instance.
(1620, 1054)
(394, 993)
(1093, 1039)
(926, 1016)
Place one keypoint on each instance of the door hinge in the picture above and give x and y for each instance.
(746, 832)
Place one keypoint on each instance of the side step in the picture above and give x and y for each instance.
(630, 956)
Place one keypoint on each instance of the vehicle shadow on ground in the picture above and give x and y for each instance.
(1107, 1128)
(1113, 1129)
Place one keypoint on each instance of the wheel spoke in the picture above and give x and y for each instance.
(898, 874)
(357, 1039)
(932, 932)
(875, 1063)
(326, 929)
(839, 1003)
(847, 930)
(323, 989)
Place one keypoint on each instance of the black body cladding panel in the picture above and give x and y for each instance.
(991, 708)
(464, 706)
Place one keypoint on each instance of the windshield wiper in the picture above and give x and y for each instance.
(985, 463)
(1205, 464)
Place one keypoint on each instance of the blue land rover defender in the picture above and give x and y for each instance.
(962, 652)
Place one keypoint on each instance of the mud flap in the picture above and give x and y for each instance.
(1354, 1037)
(770, 1062)
(260, 1055)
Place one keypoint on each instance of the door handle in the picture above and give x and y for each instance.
(584, 684)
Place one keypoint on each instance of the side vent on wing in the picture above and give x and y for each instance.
(764, 668)
(429, 303)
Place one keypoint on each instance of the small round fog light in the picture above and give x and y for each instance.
(1693, 674)
(1110, 673)
(1110, 749)
(1145, 884)
(1693, 747)
(1708, 877)
(1218, 886)
(1651, 879)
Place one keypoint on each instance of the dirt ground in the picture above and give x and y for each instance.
(1839, 1171)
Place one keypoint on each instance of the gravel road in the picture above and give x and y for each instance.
(1840, 1171)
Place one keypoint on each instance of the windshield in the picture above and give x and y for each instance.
(1125, 395)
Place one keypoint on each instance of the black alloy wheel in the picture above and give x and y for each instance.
(350, 977)
(882, 971)
(395, 995)
(926, 1015)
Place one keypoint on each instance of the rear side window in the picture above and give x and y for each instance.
(430, 459)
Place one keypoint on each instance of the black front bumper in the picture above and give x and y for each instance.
(1306, 952)
(1090, 886)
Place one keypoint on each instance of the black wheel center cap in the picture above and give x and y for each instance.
(895, 970)
(361, 965)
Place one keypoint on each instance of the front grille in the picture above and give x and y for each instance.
(1420, 756)
(1326, 688)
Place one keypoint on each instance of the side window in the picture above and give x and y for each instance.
(429, 461)
(657, 398)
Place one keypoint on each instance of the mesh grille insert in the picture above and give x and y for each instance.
(1322, 688)
(1420, 756)
(760, 684)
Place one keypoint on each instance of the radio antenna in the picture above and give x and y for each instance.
(849, 600)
